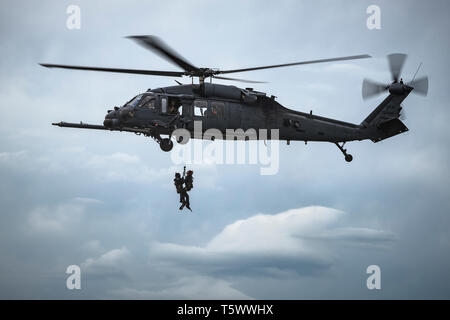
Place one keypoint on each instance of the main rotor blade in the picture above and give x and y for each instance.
(134, 71)
(396, 62)
(157, 45)
(240, 80)
(297, 63)
(371, 88)
(420, 86)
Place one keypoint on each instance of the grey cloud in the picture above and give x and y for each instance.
(109, 264)
(194, 287)
(302, 240)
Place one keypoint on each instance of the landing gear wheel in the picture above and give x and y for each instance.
(166, 144)
(348, 157)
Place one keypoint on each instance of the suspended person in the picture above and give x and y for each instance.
(189, 180)
(179, 183)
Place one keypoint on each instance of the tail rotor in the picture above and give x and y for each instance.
(396, 62)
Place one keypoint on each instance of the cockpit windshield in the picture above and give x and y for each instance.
(134, 102)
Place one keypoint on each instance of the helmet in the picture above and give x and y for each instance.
(177, 175)
(190, 172)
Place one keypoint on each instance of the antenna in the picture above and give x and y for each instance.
(415, 74)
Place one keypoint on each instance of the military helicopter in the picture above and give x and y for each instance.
(159, 112)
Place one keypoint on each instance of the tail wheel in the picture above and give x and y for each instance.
(348, 157)
(166, 144)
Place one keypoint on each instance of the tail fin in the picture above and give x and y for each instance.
(389, 129)
(384, 119)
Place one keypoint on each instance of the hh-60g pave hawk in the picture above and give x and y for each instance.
(161, 111)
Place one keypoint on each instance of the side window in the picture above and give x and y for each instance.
(199, 108)
(216, 110)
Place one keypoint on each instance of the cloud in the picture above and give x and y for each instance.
(195, 287)
(109, 264)
(110, 167)
(121, 166)
(117, 157)
(87, 201)
(12, 157)
(93, 246)
(55, 220)
(302, 240)
(358, 235)
(62, 219)
(108, 259)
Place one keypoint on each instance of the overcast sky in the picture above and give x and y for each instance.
(105, 201)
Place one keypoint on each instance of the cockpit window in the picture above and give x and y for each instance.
(135, 101)
(148, 102)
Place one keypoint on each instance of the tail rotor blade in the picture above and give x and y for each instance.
(371, 88)
(420, 86)
(396, 62)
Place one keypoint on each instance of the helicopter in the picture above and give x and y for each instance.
(157, 113)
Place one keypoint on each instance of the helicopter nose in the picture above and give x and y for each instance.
(111, 119)
(109, 123)
(126, 113)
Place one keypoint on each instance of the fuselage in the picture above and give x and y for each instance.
(227, 108)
